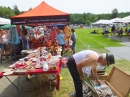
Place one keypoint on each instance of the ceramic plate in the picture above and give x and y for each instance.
(8, 73)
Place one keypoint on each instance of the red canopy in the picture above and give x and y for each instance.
(43, 13)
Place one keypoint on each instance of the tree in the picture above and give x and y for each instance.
(88, 22)
(89, 16)
(16, 10)
(114, 13)
(30, 9)
(6, 12)
(84, 16)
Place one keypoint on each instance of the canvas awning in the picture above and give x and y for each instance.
(43, 13)
(8, 26)
(4, 21)
(102, 22)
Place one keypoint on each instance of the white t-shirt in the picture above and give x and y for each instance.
(78, 57)
(106, 28)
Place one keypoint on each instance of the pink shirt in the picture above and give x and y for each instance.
(53, 35)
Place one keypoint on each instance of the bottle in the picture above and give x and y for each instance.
(45, 65)
(38, 65)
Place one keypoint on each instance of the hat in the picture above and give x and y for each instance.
(109, 58)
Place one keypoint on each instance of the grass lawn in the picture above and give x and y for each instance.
(96, 42)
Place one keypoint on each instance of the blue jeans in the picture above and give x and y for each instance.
(75, 75)
(2, 46)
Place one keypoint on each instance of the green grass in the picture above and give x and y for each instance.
(96, 41)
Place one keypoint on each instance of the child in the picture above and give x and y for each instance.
(55, 49)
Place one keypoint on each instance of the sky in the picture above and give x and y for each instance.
(73, 6)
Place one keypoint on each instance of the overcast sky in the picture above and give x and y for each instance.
(73, 6)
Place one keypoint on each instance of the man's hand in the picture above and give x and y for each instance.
(98, 81)
(82, 78)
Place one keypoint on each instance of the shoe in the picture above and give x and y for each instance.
(72, 94)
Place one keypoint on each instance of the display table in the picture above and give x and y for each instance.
(37, 72)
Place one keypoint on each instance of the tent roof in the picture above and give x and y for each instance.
(8, 26)
(42, 10)
(124, 20)
(101, 21)
(127, 17)
(43, 13)
(4, 21)
(114, 20)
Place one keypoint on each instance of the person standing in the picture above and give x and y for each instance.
(83, 59)
(73, 38)
(106, 30)
(113, 30)
(61, 40)
(120, 32)
(53, 35)
(24, 42)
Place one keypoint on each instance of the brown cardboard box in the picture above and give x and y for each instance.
(119, 82)
(101, 77)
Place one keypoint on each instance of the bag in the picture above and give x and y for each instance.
(70, 42)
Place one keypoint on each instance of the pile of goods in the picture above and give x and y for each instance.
(37, 59)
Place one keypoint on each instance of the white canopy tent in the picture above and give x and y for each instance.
(4, 21)
(102, 22)
(124, 20)
(127, 17)
(114, 20)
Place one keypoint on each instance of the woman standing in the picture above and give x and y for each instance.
(73, 38)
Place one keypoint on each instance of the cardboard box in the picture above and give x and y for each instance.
(101, 77)
(119, 82)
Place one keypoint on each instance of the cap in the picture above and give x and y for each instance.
(109, 58)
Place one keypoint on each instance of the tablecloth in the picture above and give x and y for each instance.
(40, 71)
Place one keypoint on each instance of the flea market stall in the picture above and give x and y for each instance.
(37, 60)
(43, 14)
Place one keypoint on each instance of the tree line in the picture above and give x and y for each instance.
(85, 18)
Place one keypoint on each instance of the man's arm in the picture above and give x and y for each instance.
(94, 71)
(89, 61)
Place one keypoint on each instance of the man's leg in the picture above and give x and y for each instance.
(76, 78)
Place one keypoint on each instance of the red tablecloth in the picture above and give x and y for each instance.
(40, 71)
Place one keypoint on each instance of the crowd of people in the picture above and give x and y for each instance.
(40, 36)
(115, 30)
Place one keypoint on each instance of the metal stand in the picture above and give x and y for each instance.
(13, 83)
(16, 86)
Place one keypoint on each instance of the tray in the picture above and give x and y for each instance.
(20, 71)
